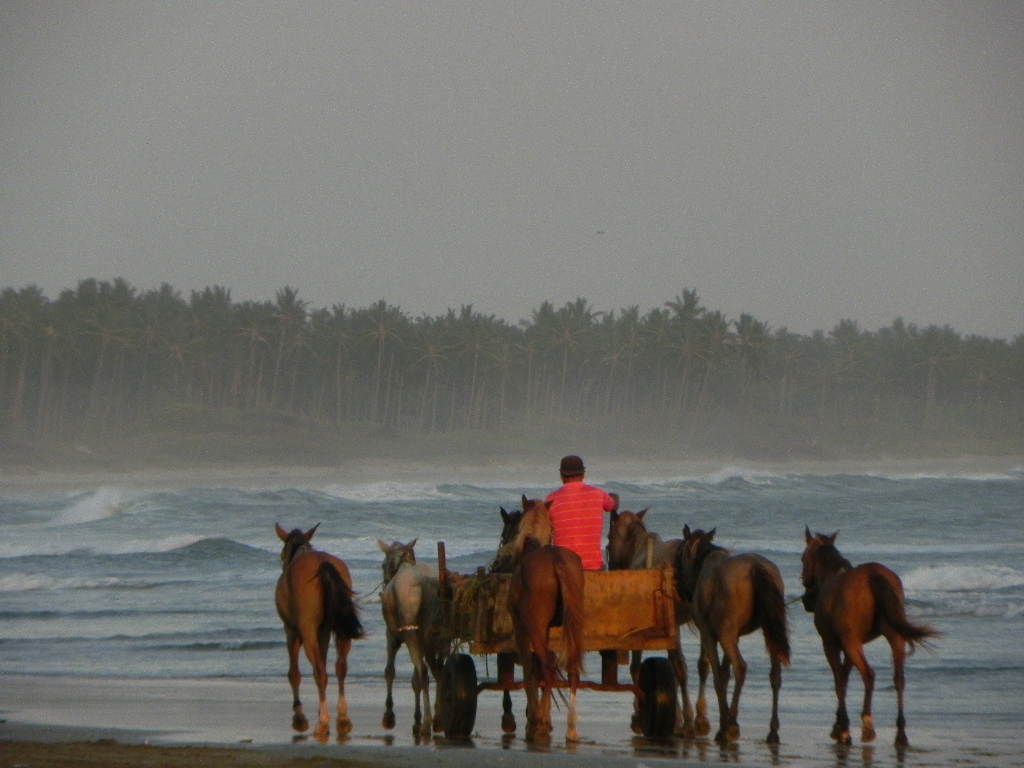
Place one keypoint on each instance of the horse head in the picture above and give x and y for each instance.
(295, 541)
(626, 533)
(819, 556)
(697, 545)
(395, 555)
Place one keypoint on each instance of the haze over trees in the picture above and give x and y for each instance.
(106, 357)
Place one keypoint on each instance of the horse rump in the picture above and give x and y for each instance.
(340, 612)
(890, 606)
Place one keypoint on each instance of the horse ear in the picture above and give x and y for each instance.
(504, 514)
(547, 505)
(383, 547)
(282, 534)
(311, 531)
(832, 538)
(412, 544)
(808, 536)
(686, 530)
(642, 512)
(525, 502)
(711, 533)
(614, 516)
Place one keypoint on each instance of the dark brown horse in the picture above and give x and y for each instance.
(632, 547)
(853, 606)
(732, 596)
(314, 601)
(546, 588)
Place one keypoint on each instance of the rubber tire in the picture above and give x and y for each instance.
(459, 678)
(658, 707)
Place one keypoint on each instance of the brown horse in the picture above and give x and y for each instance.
(546, 588)
(314, 601)
(853, 606)
(732, 596)
(632, 547)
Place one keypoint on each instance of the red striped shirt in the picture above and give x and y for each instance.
(577, 515)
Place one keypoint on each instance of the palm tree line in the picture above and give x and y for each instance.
(105, 356)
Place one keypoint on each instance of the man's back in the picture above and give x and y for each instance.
(577, 515)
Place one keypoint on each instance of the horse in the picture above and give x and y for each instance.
(853, 606)
(510, 522)
(546, 588)
(314, 601)
(411, 604)
(632, 547)
(732, 596)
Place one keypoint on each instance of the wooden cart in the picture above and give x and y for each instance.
(623, 611)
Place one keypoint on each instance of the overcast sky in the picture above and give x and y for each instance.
(804, 162)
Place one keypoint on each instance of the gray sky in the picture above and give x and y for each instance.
(804, 162)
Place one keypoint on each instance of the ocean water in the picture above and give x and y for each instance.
(109, 582)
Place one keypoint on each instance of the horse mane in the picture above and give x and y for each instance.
(832, 560)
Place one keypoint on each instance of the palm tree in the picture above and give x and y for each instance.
(290, 315)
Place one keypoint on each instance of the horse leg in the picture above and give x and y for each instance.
(394, 641)
(634, 673)
(342, 646)
(899, 654)
(316, 644)
(299, 721)
(733, 658)
(701, 724)
(721, 680)
(685, 728)
(775, 678)
(855, 658)
(840, 676)
(506, 676)
(421, 725)
(435, 666)
(572, 734)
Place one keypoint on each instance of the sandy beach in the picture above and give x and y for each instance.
(205, 722)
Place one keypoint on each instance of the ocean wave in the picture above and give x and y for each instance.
(38, 582)
(99, 546)
(103, 503)
(962, 578)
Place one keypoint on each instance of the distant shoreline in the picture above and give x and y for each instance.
(528, 472)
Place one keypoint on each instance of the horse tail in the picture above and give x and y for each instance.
(340, 612)
(771, 612)
(890, 606)
(569, 572)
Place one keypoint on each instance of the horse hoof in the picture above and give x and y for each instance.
(344, 726)
(867, 735)
(702, 727)
(508, 723)
(388, 721)
(299, 723)
(842, 737)
(634, 724)
(773, 737)
(322, 732)
(732, 733)
(901, 740)
(572, 737)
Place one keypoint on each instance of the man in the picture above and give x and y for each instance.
(577, 513)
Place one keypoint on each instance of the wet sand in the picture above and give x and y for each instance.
(191, 722)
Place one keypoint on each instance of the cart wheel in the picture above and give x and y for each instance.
(459, 677)
(658, 707)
